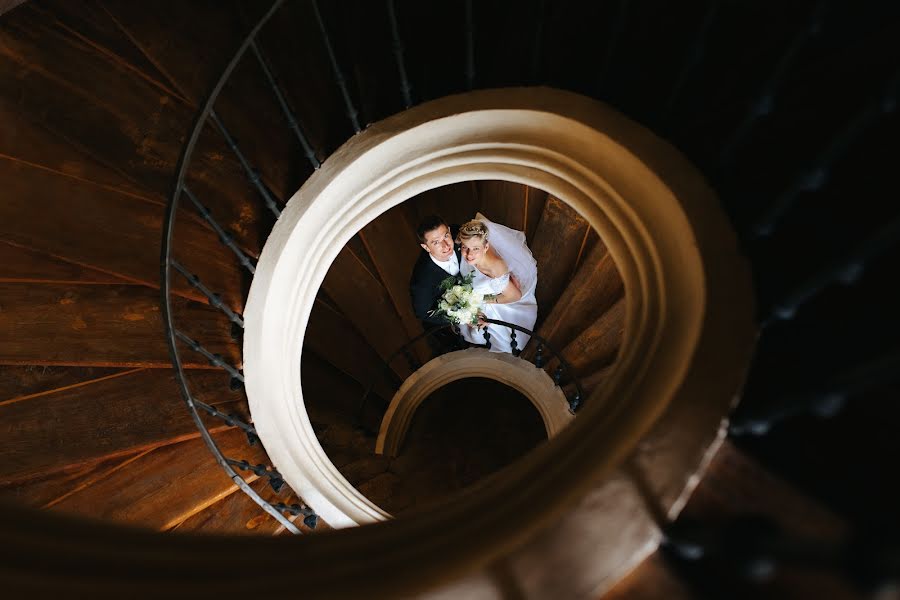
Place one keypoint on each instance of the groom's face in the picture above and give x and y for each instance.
(438, 243)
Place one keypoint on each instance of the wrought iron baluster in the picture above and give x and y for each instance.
(405, 86)
(815, 177)
(411, 360)
(338, 75)
(230, 419)
(537, 48)
(288, 113)
(224, 237)
(539, 356)
(513, 345)
(470, 46)
(618, 28)
(311, 519)
(252, 173)
(214, 299)
(214, 359)
(172, 335)
(824, 402)
(260, 470)
(693, 57)
(846, 270)
(764, 101)
(557, 374)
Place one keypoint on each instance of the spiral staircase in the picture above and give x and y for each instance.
(99, 100)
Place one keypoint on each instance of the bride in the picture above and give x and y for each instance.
(506, 272)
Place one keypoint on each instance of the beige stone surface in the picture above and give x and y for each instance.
(517, 373)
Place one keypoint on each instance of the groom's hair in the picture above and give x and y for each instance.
(429, 223)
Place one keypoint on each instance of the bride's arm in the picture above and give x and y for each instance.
(510, 293)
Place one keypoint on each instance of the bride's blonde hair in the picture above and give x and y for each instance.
(472, 229)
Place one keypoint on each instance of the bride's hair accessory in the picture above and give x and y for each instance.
(471, 229)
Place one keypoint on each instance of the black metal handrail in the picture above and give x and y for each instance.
(540, 359)
(168, 262)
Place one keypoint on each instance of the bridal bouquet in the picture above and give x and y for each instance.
(459, 303)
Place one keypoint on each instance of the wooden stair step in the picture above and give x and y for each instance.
(293, 44)
(558, 242)
(333, 338)
(238, 513)
(108, 325)
(653, 579)
(31, 143)
(246, 105)
(734, 484)
(366, 303)
(26, 265)
(457, 203)
(391, 242)
(170, 39)
(166, 486)
(111, 416)
(593, 290)
(512, 204)
(103, 230)
(597, 345)
(93, 26)
(20, 381)
(46, 490)
(145, 151)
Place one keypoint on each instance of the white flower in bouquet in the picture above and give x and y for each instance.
(459, 302)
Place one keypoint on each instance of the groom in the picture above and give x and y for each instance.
(439, 261)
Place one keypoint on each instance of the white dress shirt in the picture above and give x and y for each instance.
(451, 265)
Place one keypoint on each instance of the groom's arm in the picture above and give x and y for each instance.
(423, 302)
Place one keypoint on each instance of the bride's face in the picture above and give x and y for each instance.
(473, 250)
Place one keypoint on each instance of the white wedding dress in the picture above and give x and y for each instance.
(510, 245)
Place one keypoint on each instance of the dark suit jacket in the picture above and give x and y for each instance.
(424, 286)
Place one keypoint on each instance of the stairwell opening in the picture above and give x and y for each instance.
(360, 343)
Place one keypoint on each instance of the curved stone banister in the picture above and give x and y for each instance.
(688, 322)
(517, 373)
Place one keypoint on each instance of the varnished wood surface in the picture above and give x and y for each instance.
(594, 290)
(362, 298)
(597, 345)
(330, 336)
(104, 326)
(144, 151)
(166, 486)
(111, 416)
(503, 202)
(456, 203)
(45, 490)
(653, 579)
(237, 513)
(556, 246)
(20, 381)
(391, 242)
(19, 265)
(24, 139)
(735, 484)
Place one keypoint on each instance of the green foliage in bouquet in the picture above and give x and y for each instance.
(459, 303)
